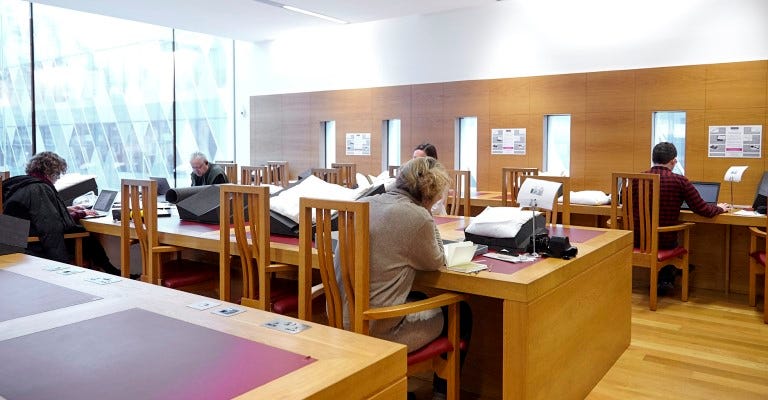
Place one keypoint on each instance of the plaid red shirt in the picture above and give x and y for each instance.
(674, 190)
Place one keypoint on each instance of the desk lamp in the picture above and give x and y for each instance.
(733, 174)
(536, 193)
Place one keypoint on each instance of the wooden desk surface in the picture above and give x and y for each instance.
(356, 365)
(584, 301)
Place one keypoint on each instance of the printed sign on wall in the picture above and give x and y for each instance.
(738, 141)
(358, 144)
(508, 141)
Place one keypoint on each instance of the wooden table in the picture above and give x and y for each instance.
(356, 365)
(725, 222)
(563, 323)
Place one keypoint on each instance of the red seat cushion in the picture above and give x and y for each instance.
(759, 256)
(186, 273)
(289, 303)
(431, 350)
(666, 254)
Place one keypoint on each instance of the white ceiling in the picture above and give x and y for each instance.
(253, 20)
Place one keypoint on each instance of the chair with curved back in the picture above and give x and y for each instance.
(511, 179)
(758, 248)
(230, 169)
(354, 271)
(253, 175)
(277, 173)
(248, 208)
(558, 209)
(330, 175)
(458, 194)
(638, 195)
(347, 174)
(139, 210)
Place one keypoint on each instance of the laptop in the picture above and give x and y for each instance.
(709, 192)
(103, 204)
(162, 187)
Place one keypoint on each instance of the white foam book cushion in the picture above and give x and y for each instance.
(287, 201)
(500, 222)
(589, 197)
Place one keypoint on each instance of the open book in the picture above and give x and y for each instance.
(459, 255)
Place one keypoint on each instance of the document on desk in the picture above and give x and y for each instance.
(747, 213)
(459, 255)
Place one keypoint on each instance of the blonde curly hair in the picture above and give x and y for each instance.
(424, 178)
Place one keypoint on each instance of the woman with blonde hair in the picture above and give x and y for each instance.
(404, 239)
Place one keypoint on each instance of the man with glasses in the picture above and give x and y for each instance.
(205, 173)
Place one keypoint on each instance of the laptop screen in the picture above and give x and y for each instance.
(104, 201)
(162, 185)
(709, 192)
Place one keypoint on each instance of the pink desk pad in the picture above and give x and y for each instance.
(575, 236)
(21, 296)
(137, 354)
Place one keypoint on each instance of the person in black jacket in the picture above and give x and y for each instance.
(205, 173)
(33, 197)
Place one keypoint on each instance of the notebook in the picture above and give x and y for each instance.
(103, 204)
(709, 192)
(459, 255)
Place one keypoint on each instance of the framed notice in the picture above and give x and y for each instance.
(737, 141)
(508, 141)
(358, 144)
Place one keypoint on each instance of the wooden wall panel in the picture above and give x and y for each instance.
(607, 148)
(559, 94)
(509, 96)
(610, 112)
(670, 89)
(736, 85)
(610, 91)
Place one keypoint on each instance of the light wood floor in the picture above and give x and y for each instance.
(713, 347)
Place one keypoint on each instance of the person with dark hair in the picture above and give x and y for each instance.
(429, 150)
(403, 240)
(205, 173)
(425, 150)
(33, 197)
(675, 189)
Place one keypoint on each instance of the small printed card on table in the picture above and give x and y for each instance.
(229, 311)
(103, 280)
(287, 326)
(203, 305)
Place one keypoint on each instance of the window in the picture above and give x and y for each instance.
(466, 149)
(329, 138)
(669, 126)
(391, 140)
(557, 144)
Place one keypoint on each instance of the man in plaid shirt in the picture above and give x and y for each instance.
(674, 190)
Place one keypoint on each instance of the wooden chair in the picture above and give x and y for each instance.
(458, 194)
(248, 208)
(139, 209)
(253, 175)
(758, 248)
(330, 175)
(277, 173)
(4, 176)
(77, 236)
(563, 209)
(230, 169)
(347, 174)
(511, 179)
(640, 197)
(354, 271)
(393, 170)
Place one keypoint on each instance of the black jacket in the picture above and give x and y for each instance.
(38, 201)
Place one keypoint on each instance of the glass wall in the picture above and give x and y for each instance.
(15, 87)
(116, 98)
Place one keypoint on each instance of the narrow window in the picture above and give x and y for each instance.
(329, 139)
(557, 144)
(391, 143)
(466, 148)
(669, 126)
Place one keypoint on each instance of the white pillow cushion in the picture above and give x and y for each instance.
(499, 222)
(590, 197)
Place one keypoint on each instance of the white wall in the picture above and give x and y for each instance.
(515, 38)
